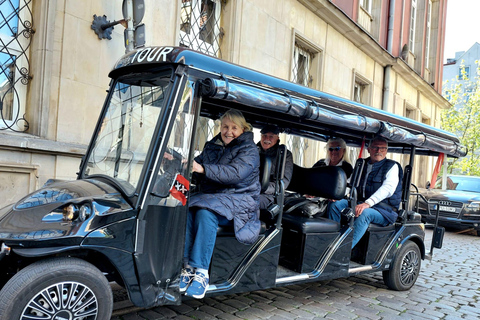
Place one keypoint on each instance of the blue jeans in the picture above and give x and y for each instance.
(361, 223)
(200, 236)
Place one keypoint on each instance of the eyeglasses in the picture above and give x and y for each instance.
(379, 148)
(334, 149)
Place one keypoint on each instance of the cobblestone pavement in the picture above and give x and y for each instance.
(448, 288)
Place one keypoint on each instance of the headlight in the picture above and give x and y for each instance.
(70, 212)
(85, 212)
(474, 205)
(73, 212)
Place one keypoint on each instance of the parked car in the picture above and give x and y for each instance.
(458, 203)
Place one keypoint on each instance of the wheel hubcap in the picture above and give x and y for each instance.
(410, 268)
(63, 301)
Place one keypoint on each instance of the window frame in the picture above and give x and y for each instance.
(359, 80)
(192, 39)
(315, 61)
(413, 25)
(366, 5)
(428, 35)
(17, 46)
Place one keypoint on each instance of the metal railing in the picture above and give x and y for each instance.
(16, 30)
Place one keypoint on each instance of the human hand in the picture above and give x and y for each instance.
(197, 167)
(360, 207)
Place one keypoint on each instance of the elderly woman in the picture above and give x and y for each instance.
(336, 156)
(229, 194)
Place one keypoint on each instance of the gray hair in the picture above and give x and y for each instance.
(342, 144)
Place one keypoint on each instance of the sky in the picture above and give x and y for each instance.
(463, 26)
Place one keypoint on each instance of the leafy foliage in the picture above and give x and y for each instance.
(463, 119)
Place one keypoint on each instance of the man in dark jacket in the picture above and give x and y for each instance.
(268, 146)
(379, 194)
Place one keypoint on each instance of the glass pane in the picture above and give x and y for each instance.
(7, 78)
(174, 160)
(9, 17)
(200, 26)
(124, 139)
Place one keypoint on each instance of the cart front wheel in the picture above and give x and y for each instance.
(63, 288)
(405, 268)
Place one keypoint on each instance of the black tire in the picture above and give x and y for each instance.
(85, 292)
(405, 268)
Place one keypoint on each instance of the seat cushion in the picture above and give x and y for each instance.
(310, 225)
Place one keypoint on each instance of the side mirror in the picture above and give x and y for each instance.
(428, 185)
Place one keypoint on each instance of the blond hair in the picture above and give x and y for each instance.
(237, 117)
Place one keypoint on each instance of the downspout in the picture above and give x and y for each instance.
(388, 69)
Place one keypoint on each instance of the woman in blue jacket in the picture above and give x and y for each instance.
(229, 191)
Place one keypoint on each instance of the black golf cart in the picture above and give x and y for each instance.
(123, 219)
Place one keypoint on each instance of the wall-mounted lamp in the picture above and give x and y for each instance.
(134, 34)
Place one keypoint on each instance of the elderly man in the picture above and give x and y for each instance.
(268, 146)
(379, 194)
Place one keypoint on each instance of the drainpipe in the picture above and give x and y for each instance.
(388, 69)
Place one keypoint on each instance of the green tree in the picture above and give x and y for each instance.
(463, 119)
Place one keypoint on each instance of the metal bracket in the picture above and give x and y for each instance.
(102, 27)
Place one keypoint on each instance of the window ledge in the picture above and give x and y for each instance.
(30, 143)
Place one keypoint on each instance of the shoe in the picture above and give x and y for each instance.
(198, 287)
(186, 278)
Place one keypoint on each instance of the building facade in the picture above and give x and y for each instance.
(384, 53)
(464, 61)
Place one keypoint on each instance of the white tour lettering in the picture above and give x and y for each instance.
(152, 54)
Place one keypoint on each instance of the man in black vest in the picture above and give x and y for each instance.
(379, 194)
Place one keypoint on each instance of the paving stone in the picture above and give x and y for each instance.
(200, 315)
(181, 309)
(446, 289)
(236, 304)
(151, 315)
(225, 308)
(165, 311)
(211, 310)
(253, 313)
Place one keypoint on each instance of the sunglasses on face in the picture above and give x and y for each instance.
(334, 149)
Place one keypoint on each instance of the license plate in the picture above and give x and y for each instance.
(447, 209)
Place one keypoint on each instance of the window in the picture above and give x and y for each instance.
(15, 36)
(463, 73)
(306, 62)
(410, 111)
(427, 34)
(301, 65)
(413, 23)
(366, 5)
(361, 89)
(200, 26)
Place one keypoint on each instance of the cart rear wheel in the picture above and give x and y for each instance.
(63, 288)
(405, 268)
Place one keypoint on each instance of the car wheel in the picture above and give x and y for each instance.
(62, 288)
(405, 268)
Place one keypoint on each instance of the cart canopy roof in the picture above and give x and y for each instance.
(294, 108)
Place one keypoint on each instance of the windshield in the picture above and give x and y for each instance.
(124, 137)
(461, 183)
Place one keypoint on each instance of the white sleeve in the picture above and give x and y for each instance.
(387, 189)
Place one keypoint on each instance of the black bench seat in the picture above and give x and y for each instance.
(310, 225)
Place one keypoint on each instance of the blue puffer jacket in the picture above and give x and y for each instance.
(231, 186)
